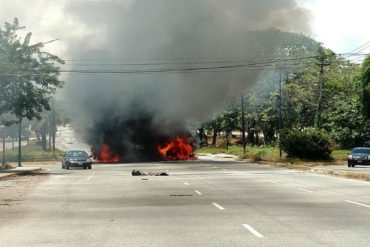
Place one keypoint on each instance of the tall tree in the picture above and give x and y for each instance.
(365, 79)
(28, 76)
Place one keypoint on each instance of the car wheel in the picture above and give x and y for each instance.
(349, 165)
(89, 166)
(67, 167)
(84, 167)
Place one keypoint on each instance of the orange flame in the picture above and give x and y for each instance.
(106, 155)
(177, 149)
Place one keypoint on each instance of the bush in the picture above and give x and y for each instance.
(310, 144)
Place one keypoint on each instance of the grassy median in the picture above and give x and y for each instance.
(32, 153)
(271, 154)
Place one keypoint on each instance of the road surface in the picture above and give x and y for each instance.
(67, 138)
(201, 203)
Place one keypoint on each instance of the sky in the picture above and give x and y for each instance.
(341, 25)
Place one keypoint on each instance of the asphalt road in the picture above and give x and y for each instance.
(201, 203)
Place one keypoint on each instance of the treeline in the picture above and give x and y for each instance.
(29, 77)
(341, 112)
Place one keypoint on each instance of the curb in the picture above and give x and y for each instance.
(18, 171)
(346, 174)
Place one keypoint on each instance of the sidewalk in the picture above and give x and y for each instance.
(18, 171)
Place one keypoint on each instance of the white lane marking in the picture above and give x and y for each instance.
(215, 167)
(198, 192)
(309, 191)
(274, 182)
(218, 206)
(357, 203)
(89, 178)
(186, 183)
(224, 169)
(253, 231)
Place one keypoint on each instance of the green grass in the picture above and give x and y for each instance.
(340, 154)
(32, 152)
(271, 154)
(267, 153)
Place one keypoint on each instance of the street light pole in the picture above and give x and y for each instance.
(280, 117)
(243, 124)
(20, 143)
(3, 137)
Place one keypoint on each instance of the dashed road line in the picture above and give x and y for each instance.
(357, 203)
(253, 231)
(274, 182)
(87, 179)
(186, 183)
(308, 191)
(218, 206)
(198, 192)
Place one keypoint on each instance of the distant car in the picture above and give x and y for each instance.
(359, 156)
(76, 158)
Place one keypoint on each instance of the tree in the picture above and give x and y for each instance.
(365, 79)
(230, 120)
(29, 76)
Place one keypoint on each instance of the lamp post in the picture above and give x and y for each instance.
(2, 127)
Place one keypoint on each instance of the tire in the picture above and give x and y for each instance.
(67, 167)
(84, 167)
(63, 166)
(89, 166)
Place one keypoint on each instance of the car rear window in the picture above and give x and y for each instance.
(361, 150)
(77, 154)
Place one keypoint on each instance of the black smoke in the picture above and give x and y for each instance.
(135, 112)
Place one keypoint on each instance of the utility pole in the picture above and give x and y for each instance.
(321, 64)
(3, 163)
(20, 143)
(280, 116)
(319, 106)
(3, 135)
(50, 130)
(243, 124)
(54, 129)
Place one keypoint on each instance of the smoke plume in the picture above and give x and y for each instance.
(135, 112)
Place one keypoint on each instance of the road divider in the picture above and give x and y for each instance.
(218, 206)
(252, 230)
(305, 190)
(357, 203)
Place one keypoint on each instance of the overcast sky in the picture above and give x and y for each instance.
(341, 25)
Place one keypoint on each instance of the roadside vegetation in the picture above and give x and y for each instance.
(33, 152)
(271, 154)
(318, 115)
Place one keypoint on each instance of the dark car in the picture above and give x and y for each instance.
(76, 158)
(359, 156)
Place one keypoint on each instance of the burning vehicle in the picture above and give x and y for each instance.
(139, 139)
